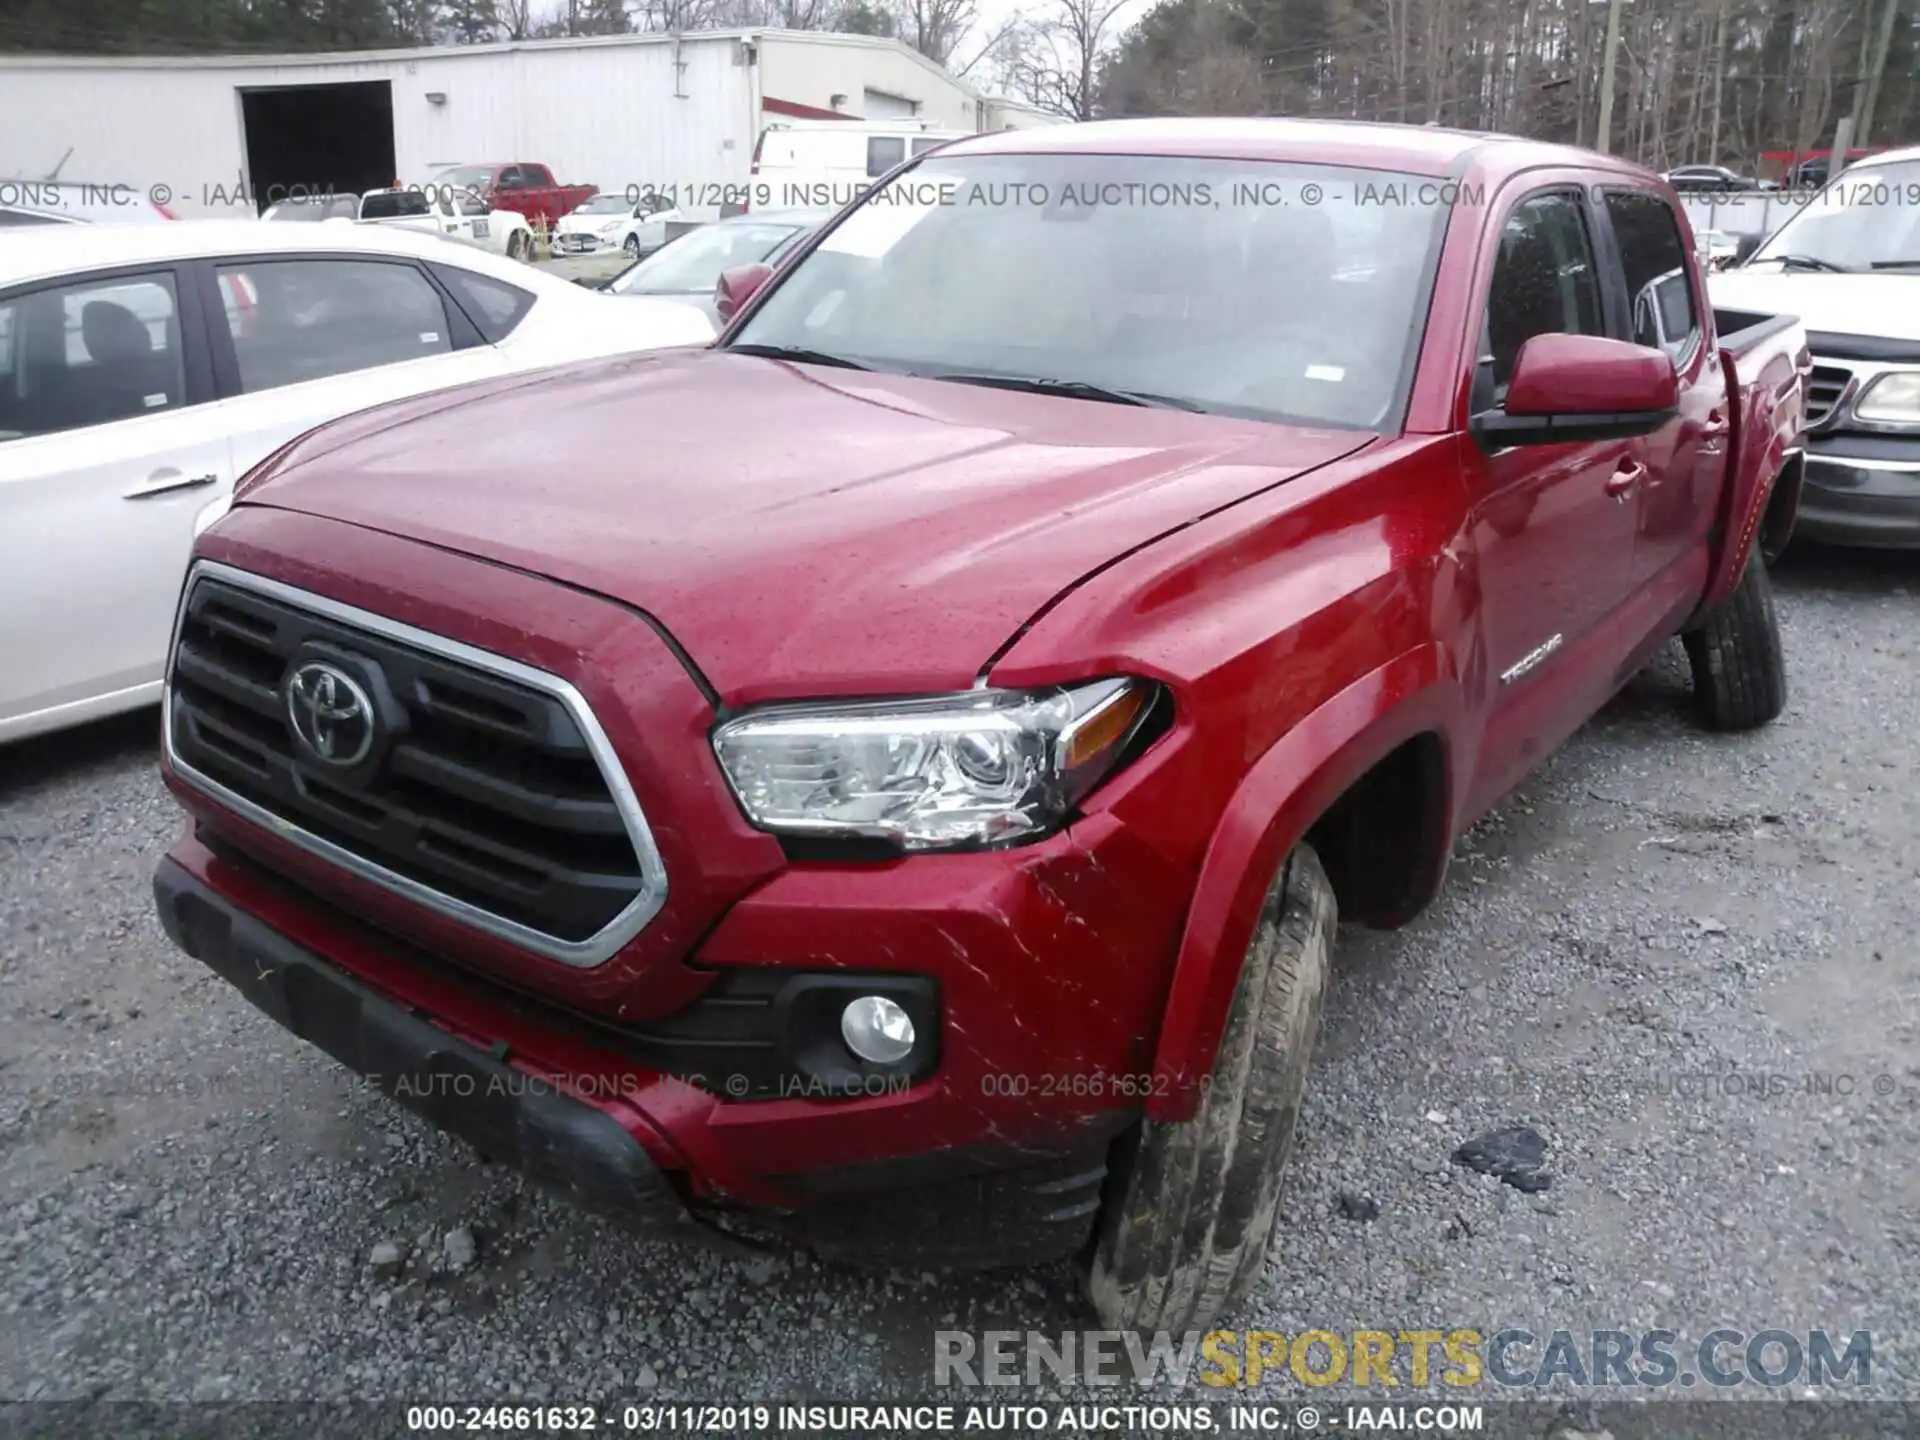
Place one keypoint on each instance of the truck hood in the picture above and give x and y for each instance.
(799, 530)
(1883, 306)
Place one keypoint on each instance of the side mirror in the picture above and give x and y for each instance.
(1581, 387)
(737, 286)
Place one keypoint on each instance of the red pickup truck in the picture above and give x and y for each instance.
(520, 186)
(906, 803)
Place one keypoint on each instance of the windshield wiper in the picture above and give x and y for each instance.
(1896, 265)
(1804, 262)
(799, 355)
(1072, 389)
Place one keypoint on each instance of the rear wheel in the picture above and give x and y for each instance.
(1739, 673)
(1185, 1229)
(517, 245)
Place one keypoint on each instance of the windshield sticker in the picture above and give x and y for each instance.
(1335, 373)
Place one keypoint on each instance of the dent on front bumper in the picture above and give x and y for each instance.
(1862, 490)
(1051, 965)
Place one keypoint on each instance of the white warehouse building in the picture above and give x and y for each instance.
(222, 135)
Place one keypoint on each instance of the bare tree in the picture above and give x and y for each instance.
(935, 27)
(1053, 60)
(517, 19)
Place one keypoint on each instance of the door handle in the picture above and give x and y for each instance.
(165, 482)
(1630, 474)
(1717, 425)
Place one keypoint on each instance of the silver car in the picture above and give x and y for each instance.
(687, 269)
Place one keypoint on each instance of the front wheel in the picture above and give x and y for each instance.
(1184, 1231)
(1739, 673)
(632, 247)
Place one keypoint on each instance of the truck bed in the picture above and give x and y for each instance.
(1741, 331)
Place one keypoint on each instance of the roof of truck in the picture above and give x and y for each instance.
(1412, 149)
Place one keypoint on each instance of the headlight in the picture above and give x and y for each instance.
(946, 772)
(1893, 398)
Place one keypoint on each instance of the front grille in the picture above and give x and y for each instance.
(484, 791)
(1825, 387)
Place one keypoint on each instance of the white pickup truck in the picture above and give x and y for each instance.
(432, 210)
(1848, 265)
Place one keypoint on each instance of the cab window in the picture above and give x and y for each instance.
(1655, 261)
(1544, 283)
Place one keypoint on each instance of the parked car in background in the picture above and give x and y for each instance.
(313, 208)
(686, 270)
(634, 224)
(1848, 264)
(442, 211)
(1697, 179)
(1718, 249)
(143, 369)
(907, 798)
(520, 186)
(828, 163)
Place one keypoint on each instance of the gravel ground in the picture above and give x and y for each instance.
(191, 1200)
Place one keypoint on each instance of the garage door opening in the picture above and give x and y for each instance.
(307, 138)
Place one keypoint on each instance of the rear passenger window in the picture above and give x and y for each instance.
(79, 355)
(1543, 282)
(1655, 261)
(884, 152)
(295, 320)
(494, 306)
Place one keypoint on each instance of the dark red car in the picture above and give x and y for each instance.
(898, 787)
(521, 186)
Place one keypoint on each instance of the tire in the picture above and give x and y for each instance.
(632, 246)
(1184, 1231)
(517, 246)
(1739, 674)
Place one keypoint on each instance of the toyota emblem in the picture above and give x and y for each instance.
(331, 714)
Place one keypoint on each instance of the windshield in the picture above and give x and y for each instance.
(478, 176)
(1868, 218)
(695, 260)
(1275, 291)
(605, 205)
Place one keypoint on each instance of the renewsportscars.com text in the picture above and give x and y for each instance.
(1457, 1358)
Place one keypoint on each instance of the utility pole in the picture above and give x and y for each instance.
(1842, 142)
(1604, 144)
(1879, 69)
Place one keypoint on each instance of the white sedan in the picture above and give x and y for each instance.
(636, 224)
(144, 368)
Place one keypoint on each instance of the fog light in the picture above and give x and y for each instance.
(876, 1029)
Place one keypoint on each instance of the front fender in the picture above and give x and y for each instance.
(1288, 788)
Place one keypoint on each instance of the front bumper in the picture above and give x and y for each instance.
(386, 1009)
(1862, 490)
(523, 1120)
